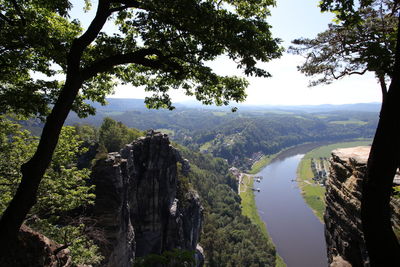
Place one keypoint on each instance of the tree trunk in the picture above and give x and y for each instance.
(382, 82)
(34, 169)
(384, 159)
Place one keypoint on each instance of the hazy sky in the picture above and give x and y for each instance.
(290, 19)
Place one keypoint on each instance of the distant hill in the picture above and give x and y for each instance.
(126, 104)
(365, 107)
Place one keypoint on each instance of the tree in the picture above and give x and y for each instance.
(161, 45)
(352, 48)
(114, 135)
(384, 158)
(63, 189)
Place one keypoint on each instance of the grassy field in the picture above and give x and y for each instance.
(260, 164)
(219, 113)
(312, 193)
(358, 122)
(249, 209)
(113, 113)
(325, 151)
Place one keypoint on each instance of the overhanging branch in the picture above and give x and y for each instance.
(125, 5)
(345, 72)
(140, 57)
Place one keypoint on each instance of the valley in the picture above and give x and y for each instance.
(266, 143)
(247, 168)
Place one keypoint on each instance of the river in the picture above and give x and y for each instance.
(294, 229)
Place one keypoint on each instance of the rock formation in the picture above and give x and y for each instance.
(36, 250)
(343, 230)
(136, 202)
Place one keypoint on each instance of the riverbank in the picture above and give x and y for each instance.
(267, 159)
(249, 209)
(312, 192)
(261, 163)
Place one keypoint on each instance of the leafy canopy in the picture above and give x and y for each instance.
(161, 45)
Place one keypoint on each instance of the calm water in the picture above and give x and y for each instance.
(296, 232)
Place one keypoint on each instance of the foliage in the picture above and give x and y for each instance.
(352, 48)
(396, 191)
(183, 187)
(64, 186)
(173, 258)
(34, 35)
(114, 135)
(63, 189)
(160, 45)
(86, 133)
(16, 146)
(83, 250)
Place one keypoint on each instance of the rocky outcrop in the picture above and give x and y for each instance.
(343, 230)
(36, 250)
(137, 205)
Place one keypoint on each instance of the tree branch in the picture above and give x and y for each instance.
(344, 73)
(56, 251)
(138, 57)
(80, 44)
(126, 4)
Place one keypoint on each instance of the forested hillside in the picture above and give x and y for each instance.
(229, 238)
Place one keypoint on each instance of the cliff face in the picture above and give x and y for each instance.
(136, 202)
(343, 230)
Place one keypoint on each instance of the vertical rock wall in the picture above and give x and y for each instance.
(136, 202)
(343, 230)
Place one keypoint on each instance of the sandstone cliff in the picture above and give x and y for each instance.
(344, 237)
(137, 204)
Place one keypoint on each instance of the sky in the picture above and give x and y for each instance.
(290, 19)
